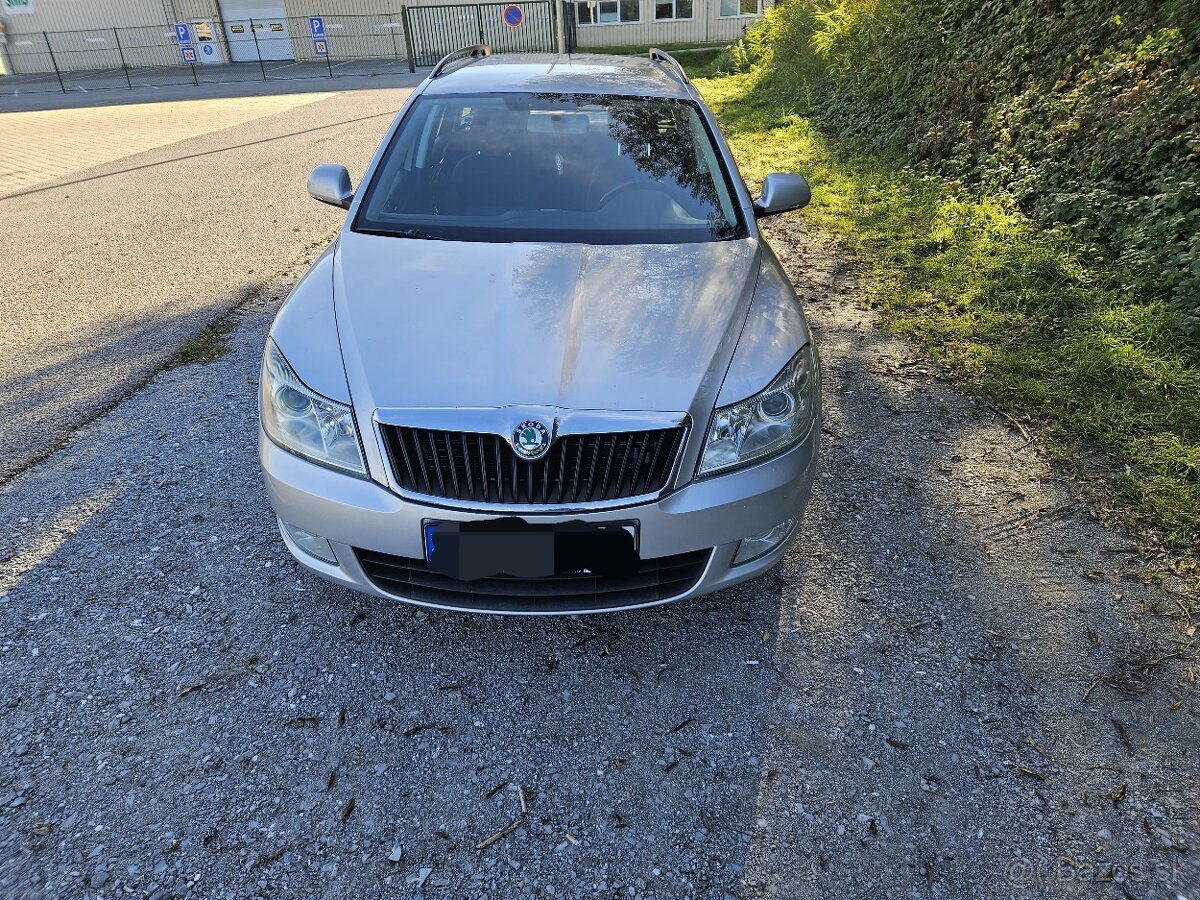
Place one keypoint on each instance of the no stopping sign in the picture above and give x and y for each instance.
(513, 15)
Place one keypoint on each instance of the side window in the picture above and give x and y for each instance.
(608, 12)
(673, 9)
(739, 7)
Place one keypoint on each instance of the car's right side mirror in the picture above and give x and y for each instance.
(331, 184)
(782, 192)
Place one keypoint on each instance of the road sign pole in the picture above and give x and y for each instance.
(183, 37)
(559, 24)
(124, 65)
(320, 40)
(479, 15)
(258, 50)
(53, 61)
(328, 53)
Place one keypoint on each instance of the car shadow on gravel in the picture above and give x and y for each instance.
(951, 627)
(637, 738)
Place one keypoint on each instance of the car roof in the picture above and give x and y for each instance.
(562, 73)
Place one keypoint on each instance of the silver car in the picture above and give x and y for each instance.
(549, 365)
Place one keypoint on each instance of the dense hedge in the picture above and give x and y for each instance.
(1087, 113)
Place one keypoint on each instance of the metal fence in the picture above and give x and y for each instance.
(267, 49)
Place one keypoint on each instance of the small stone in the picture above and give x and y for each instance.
(397, 852)
(100, 876)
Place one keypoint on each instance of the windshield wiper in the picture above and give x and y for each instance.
(415, 233)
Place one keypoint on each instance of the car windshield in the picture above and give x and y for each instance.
(560, 168)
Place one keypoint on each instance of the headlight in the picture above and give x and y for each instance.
(766, 424)
(302, 421)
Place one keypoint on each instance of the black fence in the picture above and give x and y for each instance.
(285, 48)
(437, 30)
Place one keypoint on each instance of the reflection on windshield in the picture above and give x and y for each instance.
(552, 167)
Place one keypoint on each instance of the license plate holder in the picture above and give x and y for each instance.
(516, 548)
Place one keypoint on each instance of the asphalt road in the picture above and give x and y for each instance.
(126, 229)
(957, 684)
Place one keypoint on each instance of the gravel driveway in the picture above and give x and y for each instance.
(955, 686)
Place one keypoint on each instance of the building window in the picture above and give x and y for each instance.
(672, 9)
(609, 12)
(739, 7)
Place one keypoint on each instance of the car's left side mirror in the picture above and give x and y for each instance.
(782, 192)
(331, 184)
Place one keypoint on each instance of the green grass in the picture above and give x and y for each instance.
(698, 60)
(1035, 326)
(206, 347)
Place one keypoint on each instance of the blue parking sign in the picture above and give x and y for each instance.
(317, 26)
(183, 33)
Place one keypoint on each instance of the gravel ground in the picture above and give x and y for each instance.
(925, 699)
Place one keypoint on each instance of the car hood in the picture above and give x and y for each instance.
(446, 324)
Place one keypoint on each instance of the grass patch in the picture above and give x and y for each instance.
(698, 60)
(1037, 325)
(206, 347)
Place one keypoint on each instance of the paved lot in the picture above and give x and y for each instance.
(41, 146)
(156, 220)
(955, 686)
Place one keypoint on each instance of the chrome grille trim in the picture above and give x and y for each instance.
(476, 467)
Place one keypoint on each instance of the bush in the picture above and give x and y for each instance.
(1085, 114)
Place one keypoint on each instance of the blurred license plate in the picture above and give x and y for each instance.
(514, 547)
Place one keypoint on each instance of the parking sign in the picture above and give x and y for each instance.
(317, 26)
(183, 33)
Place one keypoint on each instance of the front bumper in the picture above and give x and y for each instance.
(714, 514)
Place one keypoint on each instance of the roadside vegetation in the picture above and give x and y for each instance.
(206, 347)
(697, 59)
(1022, 181)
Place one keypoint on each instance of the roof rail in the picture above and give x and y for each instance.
(663, 56)
(475, 51)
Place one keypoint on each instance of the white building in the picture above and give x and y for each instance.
(74, 35)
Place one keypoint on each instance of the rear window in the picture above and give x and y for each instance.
(554, 168)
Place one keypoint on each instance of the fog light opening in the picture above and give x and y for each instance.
(314, 546)
(753, 548)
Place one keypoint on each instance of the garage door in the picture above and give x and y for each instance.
(256, 29)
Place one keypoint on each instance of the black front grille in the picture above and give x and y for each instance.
(582, 468)
(655, 579)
